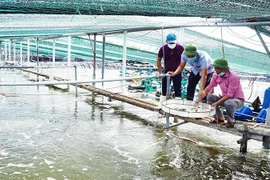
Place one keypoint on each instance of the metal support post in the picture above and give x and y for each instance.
(94, 56)
(243, 140)
(37, 48)
(0, 51)
(21, 54)
(167, 97)
(53, 52)
(124, 59)
(69, 49)
(103, 58)
(266, 142)
(262, 41)
(6, 52)
(266, 139)
(76, 85)
(28, 52)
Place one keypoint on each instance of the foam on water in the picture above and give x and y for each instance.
(20, 165)
(3, 152)
(49, 134)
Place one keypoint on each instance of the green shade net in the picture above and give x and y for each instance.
(143, 46)
(192, 8)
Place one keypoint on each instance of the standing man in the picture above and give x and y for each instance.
(171, 53)
(232, 97)
(201, 69)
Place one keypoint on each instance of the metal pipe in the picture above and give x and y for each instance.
(21, 54)
(28, 51)
(53, 53)
(222, 45)
(262, 41)
(34, 67)
(37, 53)
(76, 85)
(124, 59)
(80, 82)
(103, 57)
(188, 25)
(148, 28)
(9, 50)
(69, 49)
(267, 118)
(0, 51)
(5, 52)
(37, 59)
(94, 54)
(14, 52)
(167, 97)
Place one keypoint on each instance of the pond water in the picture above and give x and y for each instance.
(50, 134)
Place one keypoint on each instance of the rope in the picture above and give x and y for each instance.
(182, 138)
(251, 83)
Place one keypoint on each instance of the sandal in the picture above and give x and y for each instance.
(230, 124)
(217, 121)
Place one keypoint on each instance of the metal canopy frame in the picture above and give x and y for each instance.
(45, 36)
(61, 26)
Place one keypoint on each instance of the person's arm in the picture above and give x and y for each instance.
(233, 87)
(178, 70)
(202, 94)
(203, 80)
(159, 65)
(208, 89)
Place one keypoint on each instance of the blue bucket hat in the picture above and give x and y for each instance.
(171, 38)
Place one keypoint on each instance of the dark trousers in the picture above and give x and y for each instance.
(193, 80)
(176, 85)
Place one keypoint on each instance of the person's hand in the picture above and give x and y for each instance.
(215, 104)
(202, 94)
(171, 73)
(197, 101)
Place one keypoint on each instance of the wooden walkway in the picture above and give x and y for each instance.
(251, 130)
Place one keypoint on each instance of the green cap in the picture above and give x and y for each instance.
(191, 50)
(221, 63)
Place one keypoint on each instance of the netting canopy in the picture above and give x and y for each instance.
(28, 24)
(192, 8)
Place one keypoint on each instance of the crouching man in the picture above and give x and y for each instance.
(232, 97)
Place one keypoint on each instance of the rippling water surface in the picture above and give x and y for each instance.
(51, 134)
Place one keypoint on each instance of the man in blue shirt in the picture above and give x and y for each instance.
(171, 53)
(201, 69)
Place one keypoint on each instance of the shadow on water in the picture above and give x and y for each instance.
(117, 109)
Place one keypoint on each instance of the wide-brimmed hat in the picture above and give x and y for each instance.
(171, 38)
(191, 50)
(221, 63)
